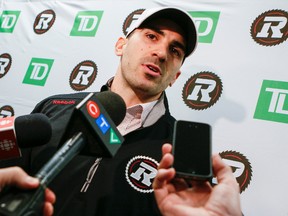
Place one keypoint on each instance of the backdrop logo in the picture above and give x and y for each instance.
(83, 75)
(38, 71)
(140, 173)
(44, 21)
(206, 24)
(5, 64)
(202, 90)
(6, 111)
(8, 20)
(130, 19)
(270, 28)
(241, 167)
(86, 23)
(272, 103)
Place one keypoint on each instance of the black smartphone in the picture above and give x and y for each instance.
(192, 150)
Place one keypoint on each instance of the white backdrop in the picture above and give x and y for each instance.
(236, 80)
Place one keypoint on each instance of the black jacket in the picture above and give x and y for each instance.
(121, 185)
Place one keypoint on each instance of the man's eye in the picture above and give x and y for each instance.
(175, 51)
(151, 36)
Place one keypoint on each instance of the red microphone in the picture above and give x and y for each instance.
(23, 132)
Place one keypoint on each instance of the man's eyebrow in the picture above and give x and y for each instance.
(158, 30)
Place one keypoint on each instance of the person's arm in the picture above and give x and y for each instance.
(15, 176)
(176, 197)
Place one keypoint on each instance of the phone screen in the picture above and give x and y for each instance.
(192, 149)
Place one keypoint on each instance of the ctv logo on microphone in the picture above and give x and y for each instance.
(102, 122)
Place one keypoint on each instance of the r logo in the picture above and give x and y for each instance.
(140, 173)
(44, 21)
(83, 75)
(270, 28)
(5, 64)
(202, 90)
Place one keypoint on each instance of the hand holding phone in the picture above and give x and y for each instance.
(192, 150)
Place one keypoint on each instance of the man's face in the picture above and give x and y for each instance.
(151, 57)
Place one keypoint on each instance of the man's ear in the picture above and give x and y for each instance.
(119, 46)
(175, 78)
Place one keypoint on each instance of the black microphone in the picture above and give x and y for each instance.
(96, 116)
(23, 132)
(93, 133)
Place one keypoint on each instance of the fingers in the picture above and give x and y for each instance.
(165, 172)
(223, 172)
(166, 148)
(50, 199)
(17, 177)
(50, 196)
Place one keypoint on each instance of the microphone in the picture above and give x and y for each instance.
(23, 132)
(93, 133)
(96, 116)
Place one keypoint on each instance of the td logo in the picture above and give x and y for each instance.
(206, 24)
(86, 23)
(38, 71)
(8, 20)
(272, 103)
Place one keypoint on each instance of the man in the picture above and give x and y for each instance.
(15, 176)
(150, 59)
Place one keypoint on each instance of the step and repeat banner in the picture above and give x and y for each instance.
(236, 81)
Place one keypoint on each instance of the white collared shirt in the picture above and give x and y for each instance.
(135, 117)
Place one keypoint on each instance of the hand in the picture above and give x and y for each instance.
(175, 197)
(15, 176)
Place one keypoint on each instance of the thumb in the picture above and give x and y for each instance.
(16, 176)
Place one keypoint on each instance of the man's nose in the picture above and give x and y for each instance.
(161, 51)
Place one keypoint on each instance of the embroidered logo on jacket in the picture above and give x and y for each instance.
(140, 172)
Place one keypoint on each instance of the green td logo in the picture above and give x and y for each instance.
(272, 103)
(8, 20)
(206, 24)
(86, 23)
(38, 71)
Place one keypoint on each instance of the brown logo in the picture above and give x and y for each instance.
(44, 21)
(5, 64)
(202, 90)
(130, 19)
(83, 75)
(6, 111)
(241, 167)
(270, 28)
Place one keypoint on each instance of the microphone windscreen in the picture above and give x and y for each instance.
(32, 130)
(114, 105)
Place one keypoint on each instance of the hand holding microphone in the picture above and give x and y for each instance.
(91, 131)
